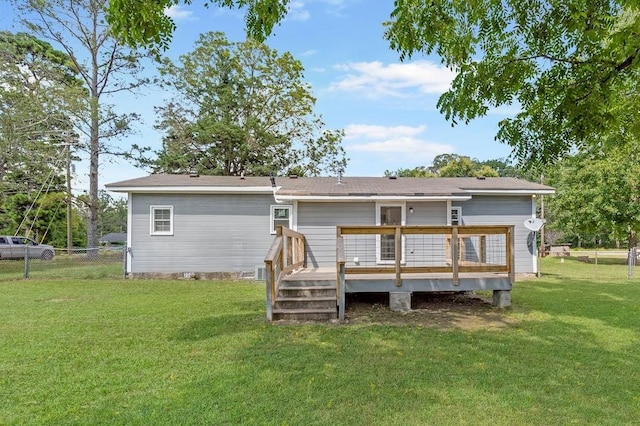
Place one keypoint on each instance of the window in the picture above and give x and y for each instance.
(456, 216)
(281, 216)
(161, 220)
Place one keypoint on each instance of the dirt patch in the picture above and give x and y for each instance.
(466, 311)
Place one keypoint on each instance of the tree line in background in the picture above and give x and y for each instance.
(571, 67)
(231, 109)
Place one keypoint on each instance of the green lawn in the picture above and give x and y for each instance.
(201, 352)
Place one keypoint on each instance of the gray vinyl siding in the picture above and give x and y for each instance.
(425, 250)
(318, 222)
(501, 210)
(211, 233)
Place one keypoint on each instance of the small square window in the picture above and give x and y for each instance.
(161, 220)
(281, 216)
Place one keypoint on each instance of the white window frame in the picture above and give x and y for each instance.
(152, 229)
(403, 213)
(456, 209)
(272, 214)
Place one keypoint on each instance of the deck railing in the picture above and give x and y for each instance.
(424, 250)
(287, 253)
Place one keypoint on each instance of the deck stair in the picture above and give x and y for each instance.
(305, 300)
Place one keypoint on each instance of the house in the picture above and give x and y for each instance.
(114, 238)
(214, 226)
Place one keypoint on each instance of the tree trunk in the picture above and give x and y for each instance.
(94, 148)
(633, 239)
(94, 144)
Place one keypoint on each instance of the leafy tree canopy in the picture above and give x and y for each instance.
(598, 192)
(144, 22)
(242, 108)
(572, 66)
(454, 165)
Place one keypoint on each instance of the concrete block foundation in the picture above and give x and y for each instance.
(501, 298)
(400, 301)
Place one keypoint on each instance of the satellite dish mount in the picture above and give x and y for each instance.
(534, 224)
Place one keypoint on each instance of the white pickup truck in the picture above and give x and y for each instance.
(14, 248)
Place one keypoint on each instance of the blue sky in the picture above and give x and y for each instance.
(386, 107)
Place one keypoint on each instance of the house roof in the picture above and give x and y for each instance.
(319, 188)
(114, 237)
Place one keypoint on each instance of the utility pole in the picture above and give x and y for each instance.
(542, 248)
(69, 209)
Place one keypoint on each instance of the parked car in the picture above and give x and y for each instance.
(14, 248)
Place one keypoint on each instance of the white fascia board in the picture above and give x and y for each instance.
(193, 189)
(511, 191)
(347, 198)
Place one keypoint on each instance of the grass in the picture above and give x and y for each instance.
(201, 352)
(64, 267)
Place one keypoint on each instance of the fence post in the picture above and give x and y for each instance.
(26, 261)
(631, 261)
(124, 262)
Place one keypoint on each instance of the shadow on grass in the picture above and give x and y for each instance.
(556, 372)
(215, 326)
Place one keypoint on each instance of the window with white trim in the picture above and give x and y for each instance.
(456, 216)
(281, 216)
(161, 220)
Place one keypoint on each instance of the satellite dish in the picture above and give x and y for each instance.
(534, 224)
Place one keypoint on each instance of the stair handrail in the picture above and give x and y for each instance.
(286, 254)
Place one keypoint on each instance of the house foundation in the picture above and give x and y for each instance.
(400, 301)
(501, 298)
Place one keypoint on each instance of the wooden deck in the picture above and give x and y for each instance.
(370, 283)
(288, 274)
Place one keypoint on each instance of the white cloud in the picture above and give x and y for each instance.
(298, 11)
(178, 12)
(309, 52)
(396, 142)
(372, 131)
(399, 79)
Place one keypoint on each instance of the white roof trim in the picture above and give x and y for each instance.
(339, 198)
(510, 191)
(193, 189)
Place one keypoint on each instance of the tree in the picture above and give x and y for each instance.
(144, 22)
(420, 171)
(113, 214)
(40, 91)
(242, 108)
(572, 66)
(598, 193)
(106, 68)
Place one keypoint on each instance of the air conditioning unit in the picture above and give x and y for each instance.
(261, 273)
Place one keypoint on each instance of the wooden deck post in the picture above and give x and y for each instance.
(511, 253)
(270, 288)
(398, 256)
(454, 255)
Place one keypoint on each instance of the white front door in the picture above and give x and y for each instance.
(388, 214)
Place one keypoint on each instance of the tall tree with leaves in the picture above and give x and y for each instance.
(572, 66)
(242, 108)
(598, 192)
(105, 66)
(40, 91)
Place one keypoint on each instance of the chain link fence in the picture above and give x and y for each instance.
(620, 263)
(80, 263)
